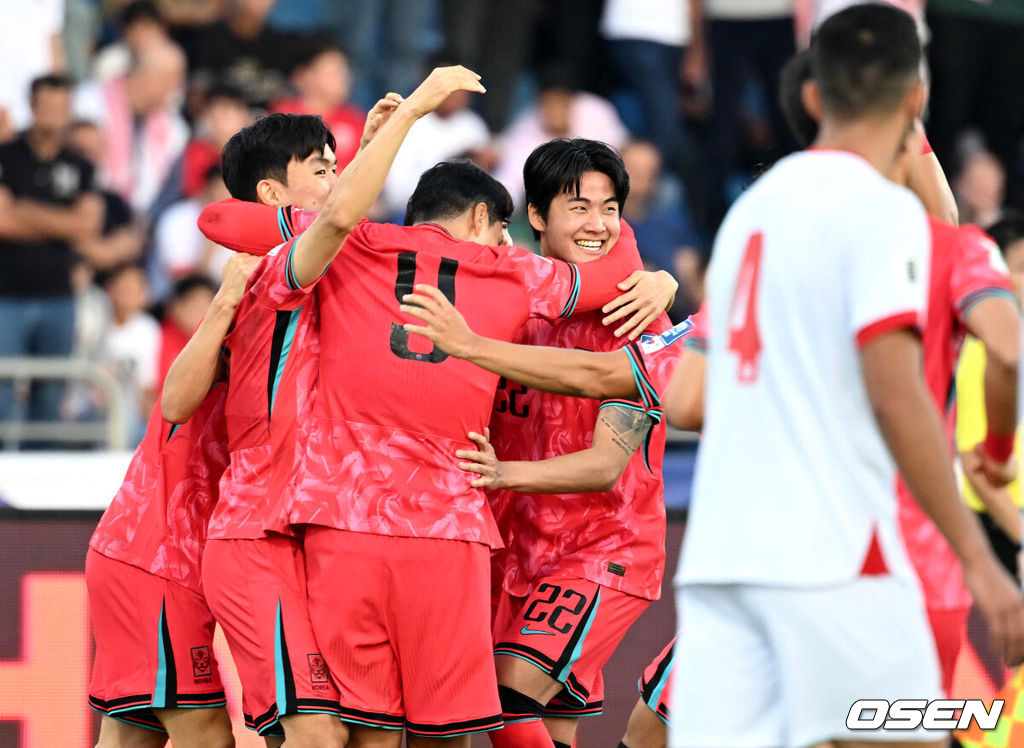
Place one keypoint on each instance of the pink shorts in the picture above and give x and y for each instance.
(656, 683)
(404, 625)
(154, 644)
(568, 627)
(257, 591)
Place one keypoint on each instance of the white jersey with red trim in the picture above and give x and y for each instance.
(794, 480)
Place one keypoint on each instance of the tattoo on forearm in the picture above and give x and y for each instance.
(628, 427)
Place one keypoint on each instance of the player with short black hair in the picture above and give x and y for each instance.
(451, 188)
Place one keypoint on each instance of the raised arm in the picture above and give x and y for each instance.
(621, 429)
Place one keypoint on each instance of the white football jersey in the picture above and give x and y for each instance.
(793, 478)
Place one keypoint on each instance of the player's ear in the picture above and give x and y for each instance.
(915, 99)
(270, 192)
(810, 95)
(481, 219)
(536, 220)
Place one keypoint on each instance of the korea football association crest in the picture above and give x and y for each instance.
(652, 343)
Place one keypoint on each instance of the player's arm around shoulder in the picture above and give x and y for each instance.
(199, 364)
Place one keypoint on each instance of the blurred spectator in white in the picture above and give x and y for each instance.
(244, 52)
(322, 78)
(183, 311)
(92, 315)
(144, 132)
(121, 237)
(979, 185)
(30, 47)
(388, 42)
(47, 202)
(561, 111)
(653, 53)
(179, 248)
(141, 25)
(131, 346)
(453, 130)
(748, 42)
(664, 233)
(223, 113)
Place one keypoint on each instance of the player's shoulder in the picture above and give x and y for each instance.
(672, 337)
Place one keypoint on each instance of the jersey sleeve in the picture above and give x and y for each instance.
(654, 358)
(557, 289)
(978, 271)
(887, 266)
(273, 281)
(252, 227)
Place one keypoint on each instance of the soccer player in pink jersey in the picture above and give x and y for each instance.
(154, 661)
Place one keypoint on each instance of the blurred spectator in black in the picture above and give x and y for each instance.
(131, 346)
(562, 111)
(223, 113)
(30, 46)
(179, 248)
(979, 184)
(748, 42)
(452, 130)
(653, 53)
(664, 233)
(144, 132)
(183, 311)
(245, 53)
(388, 42)
(323, 82)
(121, 238)
(141, 25)
(565, 35)
(976, 55)
(47, 203)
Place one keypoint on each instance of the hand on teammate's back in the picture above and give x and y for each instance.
(439, 85)
(1001, 603)
(646, 296)
(482, 461)
(445, 326)
(235, 277)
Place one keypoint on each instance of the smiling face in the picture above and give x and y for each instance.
(581, 227)
(308, 182)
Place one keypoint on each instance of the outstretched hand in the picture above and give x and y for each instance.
(445, 326)
(646, 296)
(439, 85)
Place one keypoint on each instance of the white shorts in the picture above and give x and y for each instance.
(781, 666)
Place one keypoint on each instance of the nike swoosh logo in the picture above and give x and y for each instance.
(527, 630)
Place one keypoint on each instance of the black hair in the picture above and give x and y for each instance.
(1007, 229)
(50, 80)
(222, 89)
(106, 278)
(264, 149)
(794, 74)
(557, 166)
(213, 173)
(450, 188)
(192, 282)
(865, 59)
(141, 10)
(312, 47)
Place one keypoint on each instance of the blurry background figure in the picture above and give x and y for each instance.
(244, 52)
(30, 46)
(453, 130)
(656, 210)
(131, 347)
(388, 41)
(122, 238)
(323, 82)
(979, 184)
(179, 249)
(144, 132)
(562, 111)
(183, 311)
(47, 203)
(141, 25)
(223, 112)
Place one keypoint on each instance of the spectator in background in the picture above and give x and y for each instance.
(453, 130)
(664, 234)
(131, 345)
(183, 312)
(976, 55)
(30, 46)
(144, 132)
(561, 111)
(122, 238)
(244, 52)
(179, 249)
(979, 186)
(223, 113)
(47, 202)
(323, 81)
(142, 25)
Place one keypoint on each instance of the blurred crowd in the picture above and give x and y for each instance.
(113, 114)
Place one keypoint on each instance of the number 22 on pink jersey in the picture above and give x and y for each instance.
(744, 335)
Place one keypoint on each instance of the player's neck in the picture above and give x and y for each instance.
(877, 141)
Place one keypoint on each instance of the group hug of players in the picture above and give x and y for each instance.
(425, 530)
